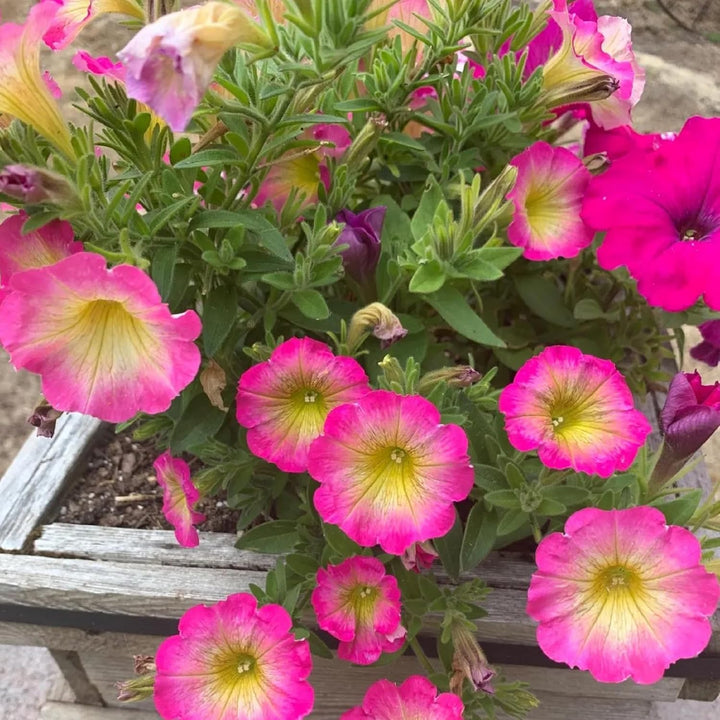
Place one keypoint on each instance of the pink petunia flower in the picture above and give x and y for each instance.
(577, 49)
(284, 401)
(44, 246)
(576, 410)
(621, 140)
(234, 661)
(102, 340)
(71, 16)
(24, 91)
(417, 698)
(409, 12)
(100, 66)
(389, 472)
(359, 604)
(170, 63)
(708, 350)
(661, 214)
(621, 594)
(301, 173)
(547, 198)
(179, 498)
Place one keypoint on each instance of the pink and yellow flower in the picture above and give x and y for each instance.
(170, 63)
(71, 16)
(661, 212)
(299, 173)
(24, 93)
(234, 661)
(576, 410)
(179, 498)
(359, 604)
(547, 199)
(102, 340)
(621, 594)
(284, 401)
(417, 698)
(389, 472)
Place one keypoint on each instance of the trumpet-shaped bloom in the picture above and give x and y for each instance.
(389, 472)
(170, 62)
(44, 246)
(24, 93)
(661, 213)
(361, 234)
(179, 498)
(234, 661)
(30, 184)
(621, 594)
(576, 410)
(284, 401)
(416, 699)
(72, 16)
(299, 173)
(357, 603)
(708, 351)
(621, 140)
(547, 199)
(102, 340)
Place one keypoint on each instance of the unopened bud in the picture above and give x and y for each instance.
(597, 88)
(35, 185)
(44, 417)
(469, 662)
(493, 198)
(459, 376)
(378, 319)
(392, 370)
(365, 141)
(137, 689)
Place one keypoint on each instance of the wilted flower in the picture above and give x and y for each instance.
(621, 594)
(469, 661)
(380, 320)
(72, 16)
(361, 234)
(576, 410)
(170, 63)
(102, 340)
(35, 185)
(708, 351)
(660, 214)
(284, 401)
(416, 698)
(389, 471)
(44, 417)
(419, 556)
(457, 376)
(234, 661)
(179, 498)
(24, 94)
(547, 198)
(359, 604)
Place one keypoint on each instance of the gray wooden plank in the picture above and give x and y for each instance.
(71, 711)
(71, 667)
(37, 476)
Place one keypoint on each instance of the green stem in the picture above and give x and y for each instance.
(421, 656)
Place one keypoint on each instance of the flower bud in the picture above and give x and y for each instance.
(361, 234)
(44, 417)
(469, 662)
(35, 185)
(419, 556)
(458, 376)
(379, 319)
(583, 91)
(137, 689)
(365, 141)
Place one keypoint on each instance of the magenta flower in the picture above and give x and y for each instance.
(621, 594)
(389, 472)
(661, 214)
(708, 351)
(419, 556)
(359, 604)
(361, 234)
(284, 401)
(621, 140)
(44, 246)
(416, 699)
(179, 498)
(100, 66)
(102, 340)
(576, 410)
(234, 661)
(547, 199)
(170, 63)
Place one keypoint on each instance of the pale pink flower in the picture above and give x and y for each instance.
(576, 410)
(170, 63)
(621, 594)
(547, 199)
(416, 699)
(389, 471)
(409, 12)
(301, 173)
(102, 340)
(234, 661)
(71, 16)
(284, 401)
(179, 498)
(359, 604)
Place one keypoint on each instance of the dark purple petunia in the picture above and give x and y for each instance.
(708, 351)
(361, 234)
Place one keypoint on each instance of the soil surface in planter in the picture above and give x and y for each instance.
(118, 488)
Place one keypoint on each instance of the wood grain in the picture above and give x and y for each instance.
(70, 711)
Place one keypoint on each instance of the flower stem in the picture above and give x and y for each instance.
(421, 656)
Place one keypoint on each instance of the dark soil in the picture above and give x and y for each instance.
(118, 489)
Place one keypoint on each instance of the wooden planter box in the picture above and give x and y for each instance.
(95, 596)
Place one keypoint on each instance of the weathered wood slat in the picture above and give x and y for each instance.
(70, 711)
(37, 476)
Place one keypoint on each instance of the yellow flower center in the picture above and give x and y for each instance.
(246, 664)
(618, 578)
(363, 599)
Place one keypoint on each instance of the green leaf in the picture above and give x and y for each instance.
(472, 266)
(218, 319)
(566, 494)
(310, 303)
(511, 521)
(587, 309)
(318, 647)
(479, 537)
(180, 150)
(550, 507)
(162, 269)
(429, 277)
(38, 220)
(545, 299)
(449, 546)
(423, 217)
(503, 498)
(680, 510)
(276, 536)
(357, 105)
(302, 565)
(500, 257)
(453, 308)
(208, 158)
(199, 421)
(339, 541)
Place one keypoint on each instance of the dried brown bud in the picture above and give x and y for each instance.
(44, 417)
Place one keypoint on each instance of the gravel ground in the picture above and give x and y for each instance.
(681, 81)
